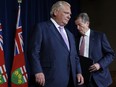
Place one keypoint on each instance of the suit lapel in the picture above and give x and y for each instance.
(91, 44)
(69, 39)
(57, 34)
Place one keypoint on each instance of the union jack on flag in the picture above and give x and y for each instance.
(18, 47)
(1, 38)
(19, 74)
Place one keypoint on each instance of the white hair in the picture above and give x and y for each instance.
(58, 5)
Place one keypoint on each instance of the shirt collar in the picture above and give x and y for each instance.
(56, 24)
(87, 33)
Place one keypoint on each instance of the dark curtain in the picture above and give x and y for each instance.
(32, 11)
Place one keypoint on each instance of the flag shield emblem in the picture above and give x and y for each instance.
(18, 77)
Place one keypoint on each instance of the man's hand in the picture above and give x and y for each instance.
(80, 79)
(40, 79)
(94, 67)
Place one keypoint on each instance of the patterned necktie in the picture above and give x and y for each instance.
(64, 37)
(82, 46)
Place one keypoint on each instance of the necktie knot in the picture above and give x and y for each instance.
(61, 28)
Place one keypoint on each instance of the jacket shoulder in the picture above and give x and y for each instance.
(97, 33)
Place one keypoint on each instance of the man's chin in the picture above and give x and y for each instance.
(66, 22)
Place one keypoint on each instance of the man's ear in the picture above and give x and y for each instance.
(55, 12)
(88, 23)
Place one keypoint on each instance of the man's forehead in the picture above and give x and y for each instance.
(79, 21)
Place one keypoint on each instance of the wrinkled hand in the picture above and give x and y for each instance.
(94, 67)
(80, 79)
(40, 79)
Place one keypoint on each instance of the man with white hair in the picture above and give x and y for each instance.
(53, 52)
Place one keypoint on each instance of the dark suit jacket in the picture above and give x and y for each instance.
(50, 55)
(100, 52)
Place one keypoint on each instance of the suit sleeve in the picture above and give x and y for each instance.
(78, 68)
(35, 45)
(108, 53)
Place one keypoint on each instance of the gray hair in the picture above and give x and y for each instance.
(58, 5)
(84, 17)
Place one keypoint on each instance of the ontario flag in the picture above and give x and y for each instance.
(19, 74)
(3, 74)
